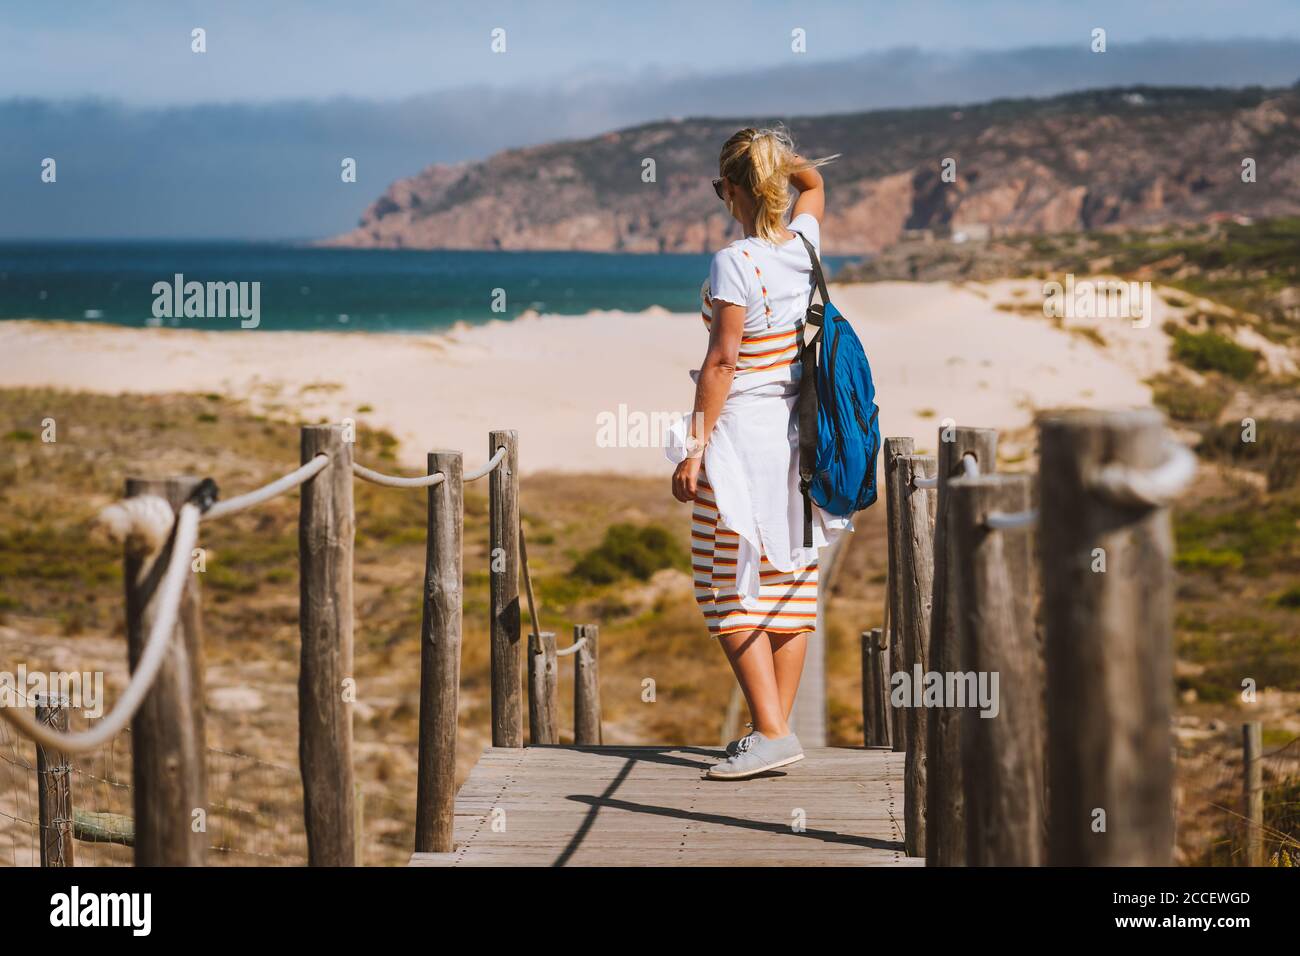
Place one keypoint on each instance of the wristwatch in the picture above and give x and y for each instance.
(694, 447)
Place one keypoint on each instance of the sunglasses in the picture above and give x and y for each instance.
(717, 188)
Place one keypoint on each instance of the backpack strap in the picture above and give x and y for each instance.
(807, 406)
(816, 269)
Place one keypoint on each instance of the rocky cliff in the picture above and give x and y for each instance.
(1123, 158)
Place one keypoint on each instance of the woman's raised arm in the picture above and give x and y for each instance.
(812, 190)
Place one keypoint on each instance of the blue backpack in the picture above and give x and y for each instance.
(839, 431)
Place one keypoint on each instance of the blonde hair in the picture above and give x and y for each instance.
(760, 161)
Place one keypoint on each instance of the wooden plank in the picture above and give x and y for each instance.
(650, 806)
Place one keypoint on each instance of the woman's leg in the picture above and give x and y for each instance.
(788, 652)
(750, 655)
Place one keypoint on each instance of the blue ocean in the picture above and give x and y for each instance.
(306, 288)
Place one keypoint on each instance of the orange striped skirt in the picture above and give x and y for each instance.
(787, 601)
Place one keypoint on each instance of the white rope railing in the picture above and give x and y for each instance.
(1010, 520)
(267, 492)
(397, 481)
(1153, 488)
(143, 523)
(572, 648)
(423, 481)
(151, 660)
(970, 469)
(488, 467)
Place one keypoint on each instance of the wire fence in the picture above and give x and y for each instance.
(1280, 789)
(252, 815)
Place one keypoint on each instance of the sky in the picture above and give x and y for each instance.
(262, 51)
(244, 141)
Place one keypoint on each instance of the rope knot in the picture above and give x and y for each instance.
(141, 524)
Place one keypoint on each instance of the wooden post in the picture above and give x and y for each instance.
(899, 658)
(54, 788)
(586, 686)
(326, 529)
(1252, 748)
(503, 575)
(543, 689)
(1002, 733)
(945, 827)
(916, 586)
(1108, 645)
(875, 702)
(359, 829)
(440, 641)
(168, 768)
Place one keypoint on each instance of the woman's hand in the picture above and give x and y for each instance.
(686, 478)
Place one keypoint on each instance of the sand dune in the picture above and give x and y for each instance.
(937, 351)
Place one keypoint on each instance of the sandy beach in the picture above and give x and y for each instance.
(587, 393)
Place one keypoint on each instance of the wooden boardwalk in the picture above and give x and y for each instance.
(649, 806)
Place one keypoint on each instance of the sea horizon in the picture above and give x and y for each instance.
(305, 287)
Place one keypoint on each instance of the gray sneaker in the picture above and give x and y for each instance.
(733, 748)
(757, 754)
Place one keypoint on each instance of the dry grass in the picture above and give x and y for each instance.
(60, 598)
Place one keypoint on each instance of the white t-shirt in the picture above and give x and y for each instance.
(763, 276)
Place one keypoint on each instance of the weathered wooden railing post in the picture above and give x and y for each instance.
(543, 688)
(359, 825)
(1002, 733)
(875, 696)
(168, 768)
(945, 827)
(1107, 591)
(912, 629)
(503, 576)
(326, 528)
(899, 658)
(440, 642)
(54, 788)
(586, 686)
(1252, 748)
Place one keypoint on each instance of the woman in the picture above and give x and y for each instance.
(738, 456)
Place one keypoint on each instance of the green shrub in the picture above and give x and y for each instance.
(1184, 402)
(629, 550)
(1210, 559)
(1212, 352)
(1275, 450)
